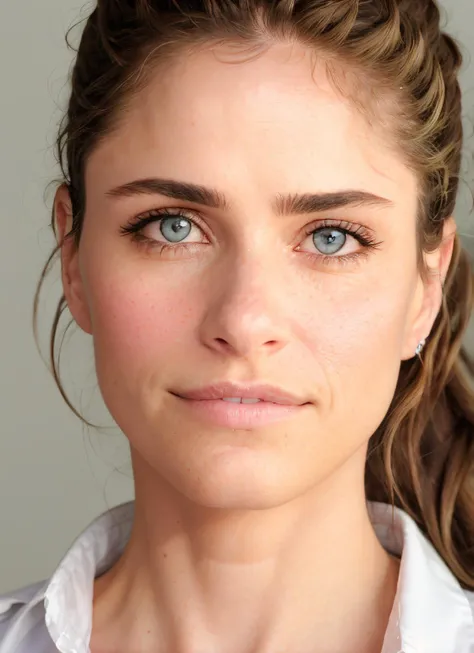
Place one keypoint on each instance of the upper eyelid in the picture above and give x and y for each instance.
(169, 211)
(192, 214)
(340, 223)
(160, 214)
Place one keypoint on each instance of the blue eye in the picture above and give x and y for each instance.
(175, 229)
(329, 240)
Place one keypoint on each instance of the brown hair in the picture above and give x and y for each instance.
(421, 458)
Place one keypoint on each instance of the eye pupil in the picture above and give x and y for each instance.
(328, 240)
(178, 225)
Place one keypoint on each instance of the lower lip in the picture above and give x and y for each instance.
(240, 416)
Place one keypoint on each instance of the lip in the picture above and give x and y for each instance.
(265, 392)
(206, 404)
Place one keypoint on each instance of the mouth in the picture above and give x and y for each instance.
(237, 414)
(241, 407)
(247, 393)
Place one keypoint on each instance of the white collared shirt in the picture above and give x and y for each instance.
(431, 612)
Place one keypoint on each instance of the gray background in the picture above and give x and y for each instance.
(55, 475)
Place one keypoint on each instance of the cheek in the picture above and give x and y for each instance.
(354, 334)
(351, 318)
(140, 319)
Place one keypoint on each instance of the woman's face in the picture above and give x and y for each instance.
(319, 296)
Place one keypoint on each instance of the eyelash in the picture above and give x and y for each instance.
(136, 225)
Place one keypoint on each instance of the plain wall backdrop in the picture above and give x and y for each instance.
(55, 475)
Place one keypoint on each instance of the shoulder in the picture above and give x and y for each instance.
(16, 605)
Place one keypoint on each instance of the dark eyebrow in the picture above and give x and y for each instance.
(320, 202)
(284, 204)
(175, 189)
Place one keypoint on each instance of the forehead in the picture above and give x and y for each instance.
(273, 123)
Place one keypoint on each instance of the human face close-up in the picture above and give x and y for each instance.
(320, 297)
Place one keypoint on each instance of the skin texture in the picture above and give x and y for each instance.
(252, 540)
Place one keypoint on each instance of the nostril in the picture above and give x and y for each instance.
(272, 343)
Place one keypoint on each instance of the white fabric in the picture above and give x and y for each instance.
(431, 612)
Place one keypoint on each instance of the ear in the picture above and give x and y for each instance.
(70, 270)
(430, 291)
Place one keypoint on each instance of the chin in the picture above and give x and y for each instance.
(248, 482)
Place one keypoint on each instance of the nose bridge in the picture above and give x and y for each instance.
(245, 310)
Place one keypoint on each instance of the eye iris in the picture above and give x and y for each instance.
(175, 229)
(329, 241)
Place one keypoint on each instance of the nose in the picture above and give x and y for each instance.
(245, 311)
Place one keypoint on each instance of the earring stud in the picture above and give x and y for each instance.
(420, 346)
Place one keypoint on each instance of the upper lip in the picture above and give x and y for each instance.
(261, 391)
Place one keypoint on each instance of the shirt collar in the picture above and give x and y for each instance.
(72, 585)
(431, 612)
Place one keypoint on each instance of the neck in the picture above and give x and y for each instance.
(308, 576)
